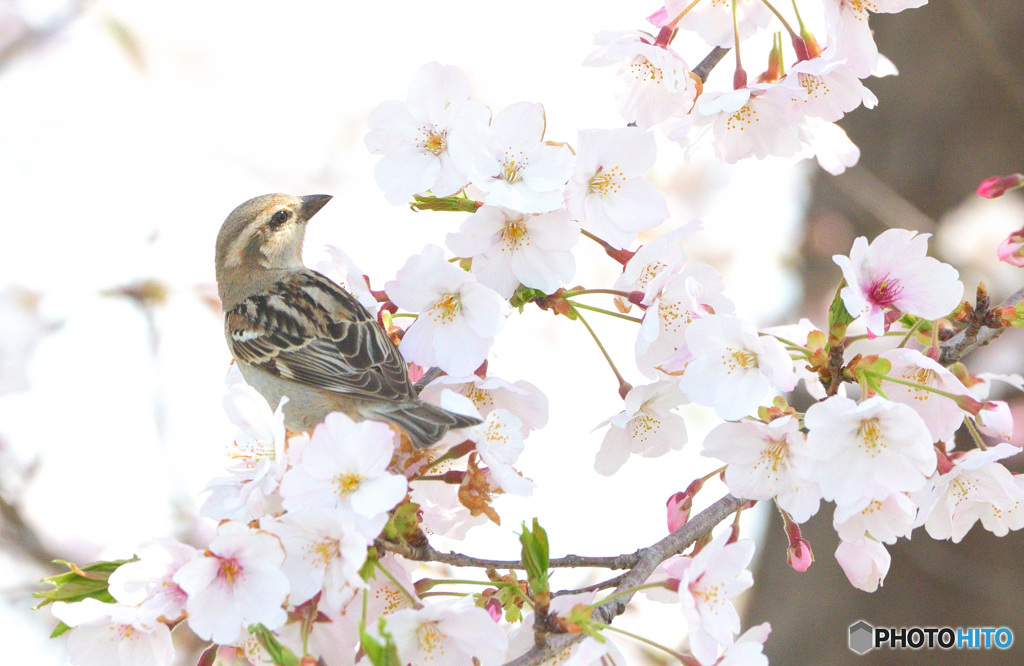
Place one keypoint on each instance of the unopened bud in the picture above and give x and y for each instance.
(799, 555)
(997, 186)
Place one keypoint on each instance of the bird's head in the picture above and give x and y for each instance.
(266, 232)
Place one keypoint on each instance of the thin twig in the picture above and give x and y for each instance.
(429, 375)
(962, 343)
(427, 553)
(704, 67)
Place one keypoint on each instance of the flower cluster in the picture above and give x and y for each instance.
(789, 113)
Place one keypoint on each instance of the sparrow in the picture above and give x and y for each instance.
(295, 333)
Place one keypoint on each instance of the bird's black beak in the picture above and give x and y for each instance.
(311, 203)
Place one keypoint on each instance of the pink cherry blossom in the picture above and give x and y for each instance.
(895, 273)
(607, 189)
(756, 121)
(847, 26)
(510, 161)
(713, 21)
(869, 449)
(883, 520)
(499, 441)
(413, 136)
(827, 88)
(527, 402)
(458, 317)
(1011, 250)
(510, 248)
(147, 582)
(237, 583)
(748, 650)
(997, 186)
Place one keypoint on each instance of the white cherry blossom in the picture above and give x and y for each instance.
(524, 400)
(663, 255)
(646, 427)
(607, 189)
(894, 272)
(451, 632)
(237, 583)
(733, 368)
(345, 466)
(588, 652)
(114, 635)
(883, 520)
(826, 88)
(324, 550)
(941, 414)
(655, 81)
(499, 442)
(509, 248)
(413, 136)
(148, 582)
(978, 487)
(510, 161)
(458, 316)
(713, 21)
(339, 267)
(828, 143)
(708, 582)
(755, 121)
(846, 23)
(748, 650)
(767, 460)
(864, 561)
(867, 450)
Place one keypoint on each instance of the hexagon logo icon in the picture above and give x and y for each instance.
(862, 637)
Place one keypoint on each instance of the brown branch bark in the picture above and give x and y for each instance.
(969, 339)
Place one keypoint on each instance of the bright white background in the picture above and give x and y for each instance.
(128, 137)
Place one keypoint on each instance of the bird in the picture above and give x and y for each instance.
(295, 333)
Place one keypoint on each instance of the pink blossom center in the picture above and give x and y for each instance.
(229, 570)
(885, 292)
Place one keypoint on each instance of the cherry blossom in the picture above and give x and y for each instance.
(883, 520)
(748, 650)
(894, 272)
(847, 26)
(257, 457)
(767, 460)
(499, 441)
(324, 550)
(646, 427)
(451, 632)
(977, 488)
(675, 300)
(864, 561)
(869, 449)
(1011, 250)
(607, 189)
(510, 248)
(521, 398)
(237, 583)
(663, 255)
(148, 582)
(733, 368)
(510, 161)
(941, 414)
(713, 21)
(829, 144)
(708, 581)
(413, 136)
(656, 82)
(756, 121)
(114, 635)
(345, 466)
(826, 87)
(458, 315)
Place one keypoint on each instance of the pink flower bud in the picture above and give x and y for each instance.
(1011, 250)
(997, 186)
(678, 507)
(493, 609)
(799, 555)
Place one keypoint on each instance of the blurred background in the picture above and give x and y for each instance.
(129, 130)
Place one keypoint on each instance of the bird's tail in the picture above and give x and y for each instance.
(423, 422)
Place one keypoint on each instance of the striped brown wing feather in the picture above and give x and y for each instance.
(308, 329)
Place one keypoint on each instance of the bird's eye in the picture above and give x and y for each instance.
(280, 217)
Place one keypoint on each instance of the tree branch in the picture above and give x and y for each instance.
(971, 338)
(649, 559)
(427, 553)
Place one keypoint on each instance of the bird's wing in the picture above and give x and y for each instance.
(308, 329)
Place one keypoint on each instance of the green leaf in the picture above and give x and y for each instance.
(78, 583)
(60, 629)
(525, 295)
(379, 654)
(536, 556)
(404, 520)
(278, 653)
